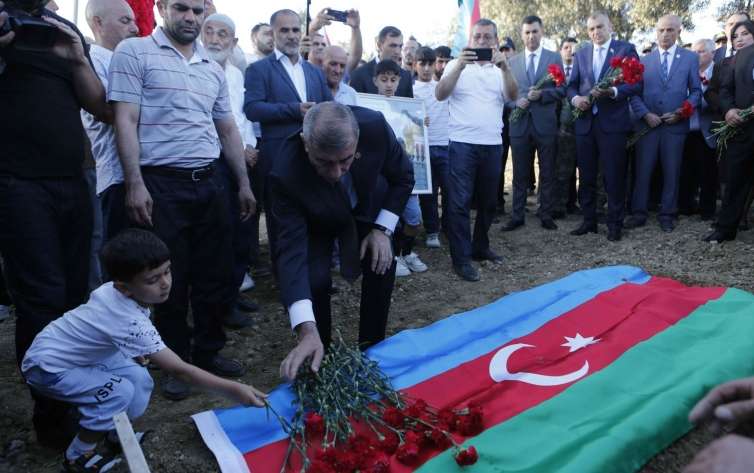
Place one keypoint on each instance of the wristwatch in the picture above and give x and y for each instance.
(383, 229)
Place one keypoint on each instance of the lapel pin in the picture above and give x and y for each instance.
(612, 51)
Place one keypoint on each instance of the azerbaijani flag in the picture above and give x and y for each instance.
(468, 14)
(594, 372)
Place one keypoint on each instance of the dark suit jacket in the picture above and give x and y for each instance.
(306, 209)
(543, 114)
(660, 97)
(614, 113)
(737, 86)
(271, 98)
(362, 79)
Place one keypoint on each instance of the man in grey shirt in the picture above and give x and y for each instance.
(172, 118)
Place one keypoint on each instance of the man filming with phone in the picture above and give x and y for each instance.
(46, 77)
(476, 84)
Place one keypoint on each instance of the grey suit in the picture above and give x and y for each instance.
(665, 143)
(537, 129)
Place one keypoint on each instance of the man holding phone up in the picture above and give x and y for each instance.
(477, 85)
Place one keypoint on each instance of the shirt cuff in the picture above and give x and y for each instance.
(615, 92)
(387, 219)
(300, 312)
(572, 101)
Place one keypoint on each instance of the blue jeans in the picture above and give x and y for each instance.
(474, 173)
(95, 273)
(438, 156)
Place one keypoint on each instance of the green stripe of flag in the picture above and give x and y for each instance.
(617, 419)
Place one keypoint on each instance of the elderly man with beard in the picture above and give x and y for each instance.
(219, 38)
(172, 119)
(334, 65)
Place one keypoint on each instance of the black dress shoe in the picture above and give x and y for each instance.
(635, 222)
(584, 229)
(548, 224)
(247, 305)
(221, 366)
(667, 226)
(467, 272)
(512, 225)
(558, 214)
(238, 319)
(174, 388)
(488, 255)
(718, 237)
(614, 234)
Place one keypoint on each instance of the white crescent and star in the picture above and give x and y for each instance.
(499, 364)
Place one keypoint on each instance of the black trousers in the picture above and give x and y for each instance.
(376, 291)
(740, 171)
(45, 237)
(4, 296)
(523, 164)
(114, 215)
(192, 218)
(242, 233)
(699, 173)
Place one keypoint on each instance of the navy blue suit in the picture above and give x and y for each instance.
(665, 142)
(601, 134)
(272, 100)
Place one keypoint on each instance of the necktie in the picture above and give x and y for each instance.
(530, 69)
(664, 67)
(600, 63)
(348, 239)
(568, 73)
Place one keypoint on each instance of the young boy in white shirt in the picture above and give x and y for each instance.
(94, 356)
(424, 88)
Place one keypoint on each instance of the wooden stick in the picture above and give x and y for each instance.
(131, 448)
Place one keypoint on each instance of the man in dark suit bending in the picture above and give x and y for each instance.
(344, 178)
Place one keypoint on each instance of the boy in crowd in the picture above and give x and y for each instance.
(387, 75)
(437, 113)
(94, 356)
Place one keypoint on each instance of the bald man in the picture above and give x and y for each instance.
(111, 21)
(671, 76)
(334, 64)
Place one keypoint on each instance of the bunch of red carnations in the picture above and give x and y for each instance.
(685, 112)
(623, 70)
(554, 74)
(349, 419)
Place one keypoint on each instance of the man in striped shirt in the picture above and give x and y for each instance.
(172, 118)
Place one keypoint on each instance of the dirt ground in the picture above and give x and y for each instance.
(533, 256)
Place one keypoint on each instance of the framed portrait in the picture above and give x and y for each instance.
(406, 117)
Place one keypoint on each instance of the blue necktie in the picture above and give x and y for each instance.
(530, 69)
(664, 67)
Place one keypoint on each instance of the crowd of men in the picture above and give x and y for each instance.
(194, 139)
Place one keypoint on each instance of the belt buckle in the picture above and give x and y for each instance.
(195, 175)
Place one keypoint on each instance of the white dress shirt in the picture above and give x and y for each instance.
(295, 72)
(671, 55)
(596, 63)
(236, 91)
(537, 55)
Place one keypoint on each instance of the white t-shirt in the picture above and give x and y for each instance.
(436, 111)
(107, 324)
(476, 105)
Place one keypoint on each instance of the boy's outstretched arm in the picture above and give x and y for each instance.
(247, 395)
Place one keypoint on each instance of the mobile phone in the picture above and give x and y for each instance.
(482, 54)
(337, 15)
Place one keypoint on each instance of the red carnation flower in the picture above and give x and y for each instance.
(448, 417)
(346, 461)
(416, 409)
(556, 72)
(687, 110)
(616, 61)
(419, 438)
(407, 453)
(318, 466)
(440, 439)
(326, 455)
(393, 417)
(314, 423)
(381, 464)
(389, 444)
(467, 456)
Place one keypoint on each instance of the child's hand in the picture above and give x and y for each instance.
(140, 360)
(248, 395)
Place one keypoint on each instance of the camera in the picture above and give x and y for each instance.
(32, 33)
(337, 15)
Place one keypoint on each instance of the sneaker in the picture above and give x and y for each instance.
(88, 462)
(247, 283)
(401, 270)
(4, 312)
(433, 240)
(175, 389)
(413, 263)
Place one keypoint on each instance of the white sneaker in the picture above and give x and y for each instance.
(414, 263)
(401, 270)
(433, 240)
(247, 283)
(4, 312)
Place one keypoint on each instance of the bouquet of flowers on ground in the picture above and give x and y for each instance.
(685, 112)
(349, 419)
(725, 132)
(623, 70)
(554, 74)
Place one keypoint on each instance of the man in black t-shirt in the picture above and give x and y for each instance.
(45, 211)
